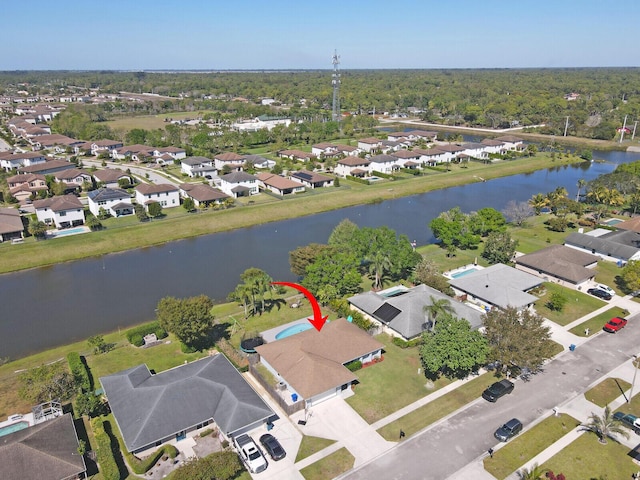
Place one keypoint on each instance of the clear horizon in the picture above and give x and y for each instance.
(287, 35)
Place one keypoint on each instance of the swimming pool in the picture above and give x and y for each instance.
(293, 329)
(613, 221)
(69, 231)
(464, 272)
(14, 427)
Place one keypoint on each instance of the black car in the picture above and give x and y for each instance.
(597, 292)
(497, 390)
(272, 446)
(508, 430)
(629, 421)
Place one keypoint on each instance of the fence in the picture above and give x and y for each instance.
(288, 409)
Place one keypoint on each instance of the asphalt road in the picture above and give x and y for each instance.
(445, 448)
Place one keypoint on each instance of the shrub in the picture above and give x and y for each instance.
(104, 453)
(206, 432)
(382, 175)
(234, 356)
(79, 371)
(358, 180)
(400, 342)
(136, 335)
(354, 366)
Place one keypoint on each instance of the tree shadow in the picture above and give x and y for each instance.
(274, 303)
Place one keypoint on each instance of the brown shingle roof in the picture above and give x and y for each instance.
(277, 181)
(59, 203)
(561, 262)
(354, 162)
(312, 362)
(229, 157)
(202, 192)
(10, 221)
(110, 175)
(148, 188)
(632, 224)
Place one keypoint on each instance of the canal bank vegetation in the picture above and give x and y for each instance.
(179, 225)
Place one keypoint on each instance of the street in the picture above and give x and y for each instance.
(446, 447)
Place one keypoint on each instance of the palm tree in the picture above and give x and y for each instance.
(534, 473)
(581, 184)
(538, 202)
(379, 264)
(437, 307)
(605, 426)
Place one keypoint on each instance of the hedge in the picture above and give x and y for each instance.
(106, 461)
(382, 175)
(399, 342)
(79, 371)
(354, 366)
(140, 467)
(234, 356)
(136, 335)
(358, 180)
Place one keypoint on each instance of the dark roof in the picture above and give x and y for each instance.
(104, 194)
(46, 451)
(622, 245)
(49, 166)
(196, 160)
(238, 177)
(151, 188)
(202, 192)
(150, 407)
(561, 262)
(311, 176)
(382, 158)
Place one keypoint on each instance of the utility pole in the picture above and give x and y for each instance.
(635, 125)
(566, 126)
(335, 81)
(624, 126)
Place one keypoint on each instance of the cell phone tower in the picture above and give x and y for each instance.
(335, 81)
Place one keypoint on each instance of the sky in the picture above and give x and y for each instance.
(303, 34)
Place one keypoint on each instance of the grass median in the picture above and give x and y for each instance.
(607, 391)
(330, 466)
(595, 324)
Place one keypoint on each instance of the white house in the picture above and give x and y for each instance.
(174, 152)
(110, 177)
(325, 148)
(383, 163)
(259, 161)
(511, 142)
(115, 201)
(352, 166)
(279, 185)
(13, 160)
(198, 167)
(230, 159)
(493, 146)
(239, 184)
(476, 150)
(312, 179)
(166, 195)
(73, 177)
(369, 144)
(62, 211)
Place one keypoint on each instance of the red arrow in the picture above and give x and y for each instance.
(318, 320)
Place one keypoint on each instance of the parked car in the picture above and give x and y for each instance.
(628, 420)
(250, 454)
(508, 430)
(607, 289)
(615, 324)
(497, 390)
(272, 446)
(597, 292)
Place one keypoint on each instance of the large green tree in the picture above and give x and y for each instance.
(453, 228)
(48, 382)
(631, 275)
(338, 269)
(302, 257)
(499, 247)
(189, 319)
(487, 220)
(453, 350)
(518, 339)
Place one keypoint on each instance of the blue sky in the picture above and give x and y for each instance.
(302, 34)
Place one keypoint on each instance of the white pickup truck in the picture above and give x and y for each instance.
(250, 453)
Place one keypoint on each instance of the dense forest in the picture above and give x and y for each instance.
(494, 98)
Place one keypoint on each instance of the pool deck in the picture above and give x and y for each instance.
(451, 273)
(270, 335)
(56, 233)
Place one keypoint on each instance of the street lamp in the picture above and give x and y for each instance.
(633, 382)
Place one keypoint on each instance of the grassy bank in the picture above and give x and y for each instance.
(175, 226)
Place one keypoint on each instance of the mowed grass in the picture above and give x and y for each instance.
(152, 122)
(596, 323)
(524, 447)
(311, 445)
(586, 458)
(607, 391)
(391, 384)
(578, 304)
(534, 234)
(174, 227)
(330, 466)
(609, 274)
(439, 408)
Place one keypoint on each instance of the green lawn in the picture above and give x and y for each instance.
(609, 274)
(586, 458)
(596, 323)
(440, 407)
(394, 383)
(524, 447)
(330, 466)
(578, 304)
(607, 391)
(311, 445)
(535, 235)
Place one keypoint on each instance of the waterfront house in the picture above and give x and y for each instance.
(202, 194)
(165, 194)
(115, 201)
(312, 179)
(352, 166)
(63, 211)
(278, 184)
(384, 164)
(239, 184)
(560, 264)
(11, 226)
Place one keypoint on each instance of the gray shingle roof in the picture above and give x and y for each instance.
(499, 285)
(617, 244)
(150, 407)
(411, 320)
(104, 194)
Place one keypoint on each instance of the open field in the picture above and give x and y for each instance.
(34, 254)
(152, 122)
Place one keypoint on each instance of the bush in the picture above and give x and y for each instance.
(104, 452)
(79, 371)
(234, 356)
(219, 465)
(354, 366)
(341, 307)
(358, 180)
(382, 175)
(136, 335)
(206, 432)
(402, 343)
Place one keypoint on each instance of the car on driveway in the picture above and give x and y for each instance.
(615, 324)
(508, 430)
(598, 292)
(272, 446)
(497, 390)
(629, 421)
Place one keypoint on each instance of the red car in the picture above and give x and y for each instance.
(615, 324)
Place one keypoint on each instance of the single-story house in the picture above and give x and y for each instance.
(239, 184)
(278, 184)
(632, 224)
(347, 150)
(258, 161)
(311, 364)
(63, 211)
(198, 167)
(11, 226)
(402, 314)
(165, 194)
(151, 409)
(202, 194)
(312, 179)
(297, 155)
(352, 166)
(620, 246)
(115, 201)
(111, 176)
(560, 264)
(499, 286)
(45, 451)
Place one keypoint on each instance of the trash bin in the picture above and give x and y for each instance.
(269, 426)
(294, 397)
(572, 347)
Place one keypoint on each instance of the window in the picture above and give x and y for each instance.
(63, 214)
